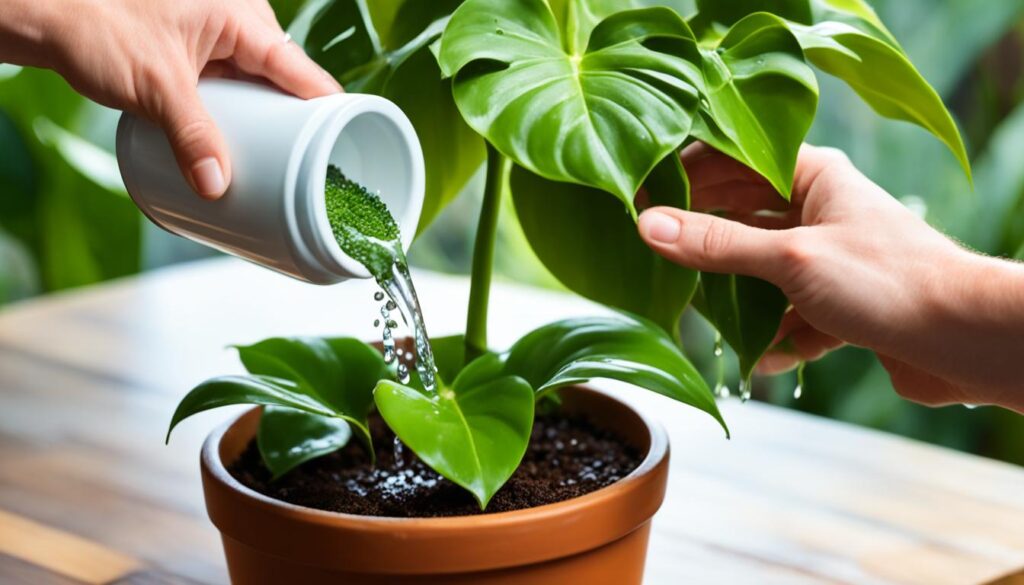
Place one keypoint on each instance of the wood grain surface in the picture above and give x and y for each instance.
(89, 494)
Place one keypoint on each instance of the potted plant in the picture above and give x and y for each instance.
(575, 106)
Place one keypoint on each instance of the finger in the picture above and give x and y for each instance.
(805, 344)
(266, 52)
(696, 151)
(737, 195)
(716, 168)
(921, 387)
(198, 145)
(709, 243)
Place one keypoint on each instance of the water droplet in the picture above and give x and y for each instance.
(403, 373)
(378, 296)
(724, 392)
(971, 406)
(392, 323)
(500, 31)
(745, 390)
(384, 312)
(390, 305)
(799, 390)
(376, 322)
(399, 453)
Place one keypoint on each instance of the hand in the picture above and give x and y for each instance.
(146, 57)
(858, 267)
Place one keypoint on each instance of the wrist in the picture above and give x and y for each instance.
(976, 327)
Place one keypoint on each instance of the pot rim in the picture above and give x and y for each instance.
(350, 541)
(212, 461)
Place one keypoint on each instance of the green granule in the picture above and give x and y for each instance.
(361, 223)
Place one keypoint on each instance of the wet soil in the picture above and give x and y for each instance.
(566, 458)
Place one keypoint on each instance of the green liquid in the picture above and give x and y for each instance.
(367, 233)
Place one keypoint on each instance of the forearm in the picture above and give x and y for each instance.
(977, 336)
(29, 28)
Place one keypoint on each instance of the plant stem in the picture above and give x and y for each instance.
(483, 256)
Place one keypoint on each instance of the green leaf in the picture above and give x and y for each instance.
(397, 64)
(761, 98)
(339, 372)
(624, 348)
(473, 434)
(747, 312)
(229, 390)
(449, 356)
(601, 118)
(883, 77)
(287, 437)
(590, 244)
(286, 10)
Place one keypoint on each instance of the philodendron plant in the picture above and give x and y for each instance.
(574, 106)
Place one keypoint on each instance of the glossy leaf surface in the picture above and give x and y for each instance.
(473, 432)
(261, 390)
(339, 372)
(883, 77)
(287, 438)
(761, 98)
(746, 311)
(590, 244)
(602, 117)
(622, 347)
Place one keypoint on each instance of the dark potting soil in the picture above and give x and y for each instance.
(566, 458)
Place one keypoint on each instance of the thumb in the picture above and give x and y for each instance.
(712, 244)
(198, 145)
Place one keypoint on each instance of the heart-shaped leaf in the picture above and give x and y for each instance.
(339, 372)
(230, 390)
(602, 117)
(747, 312)
(623, 347)
(474, 434)
(287, 437)
(586, 240)
(760, 98)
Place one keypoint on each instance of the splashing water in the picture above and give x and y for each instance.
(368, 234)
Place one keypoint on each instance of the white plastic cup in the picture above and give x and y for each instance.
(274, 213)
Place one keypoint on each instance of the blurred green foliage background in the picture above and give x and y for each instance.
(66, 221)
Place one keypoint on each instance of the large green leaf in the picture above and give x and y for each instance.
(601, 118)
(845, 38)
(474, 434)
(287, 437)
(338, 372)
(395, 62)
(588, 242)
(883, 77)
(230, 390)
(761, 98)
(747, 312)
(623, 348)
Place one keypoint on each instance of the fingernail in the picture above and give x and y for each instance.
(208, 177)
(660, 227)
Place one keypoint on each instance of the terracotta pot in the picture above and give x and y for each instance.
(599, 538)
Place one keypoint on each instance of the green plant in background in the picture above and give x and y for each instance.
(65, 218)
(575, 105)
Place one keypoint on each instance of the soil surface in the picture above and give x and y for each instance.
(566, 458)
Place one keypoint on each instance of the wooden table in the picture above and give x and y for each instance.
(89, 493)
